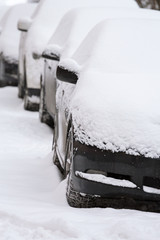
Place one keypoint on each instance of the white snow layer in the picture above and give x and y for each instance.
(115, 105)
(46, 20)
(75, 25)
(32, 196)
(119, 114)
(106, 180)
(10, 36)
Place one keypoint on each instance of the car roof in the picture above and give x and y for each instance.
(117, 43)
(50, 12)
(75, 25)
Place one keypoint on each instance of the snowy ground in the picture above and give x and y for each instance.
(32, 194)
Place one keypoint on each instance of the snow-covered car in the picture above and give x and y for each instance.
(107, 132)
(47, 18)
(9, 43)
(64, 42)
(24, 25)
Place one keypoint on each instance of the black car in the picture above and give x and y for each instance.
(9, 44)
(106, 131)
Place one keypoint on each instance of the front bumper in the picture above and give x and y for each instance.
(140, 171)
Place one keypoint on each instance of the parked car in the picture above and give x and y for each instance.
(42, 28)
(9, 43)
(64, 42)
(107, 126)
(23, 25)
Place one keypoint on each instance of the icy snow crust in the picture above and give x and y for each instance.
(115, 104)
(32, 195)
(45, 22)
(10, 36)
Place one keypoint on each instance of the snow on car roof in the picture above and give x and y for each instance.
(135, 37)
(50, 12)
(9, 38)
(115, 104)
(75, 25)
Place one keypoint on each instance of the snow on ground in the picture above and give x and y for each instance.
(32, 193)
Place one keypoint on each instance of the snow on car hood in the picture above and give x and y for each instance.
(118, 112)
(115, 103)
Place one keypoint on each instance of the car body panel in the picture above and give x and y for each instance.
(58, 36)
(114, 177)
(9, 41)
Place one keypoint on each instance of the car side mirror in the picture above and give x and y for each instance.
(36, 55)
(66, 75)
(50, 55)
(24, 24)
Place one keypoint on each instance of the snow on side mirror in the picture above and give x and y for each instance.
(36, 55)
(24, 24)
(47, 54)
(66, 75)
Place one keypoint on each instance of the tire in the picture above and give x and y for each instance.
(44, 116)
(28, 105)
(22, 81)
(20, 90)
(74, 198)
(54, 149)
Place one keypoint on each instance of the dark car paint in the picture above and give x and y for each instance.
(137, 169)
(8, 72)
(66, 75)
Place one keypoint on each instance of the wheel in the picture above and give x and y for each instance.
(44, 116)
(74, 198)
(21, 80)
(20, 90)
(56, 161)
(28, 104)
(26, 100)
(54, 148)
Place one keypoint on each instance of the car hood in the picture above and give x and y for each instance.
(118, 112)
